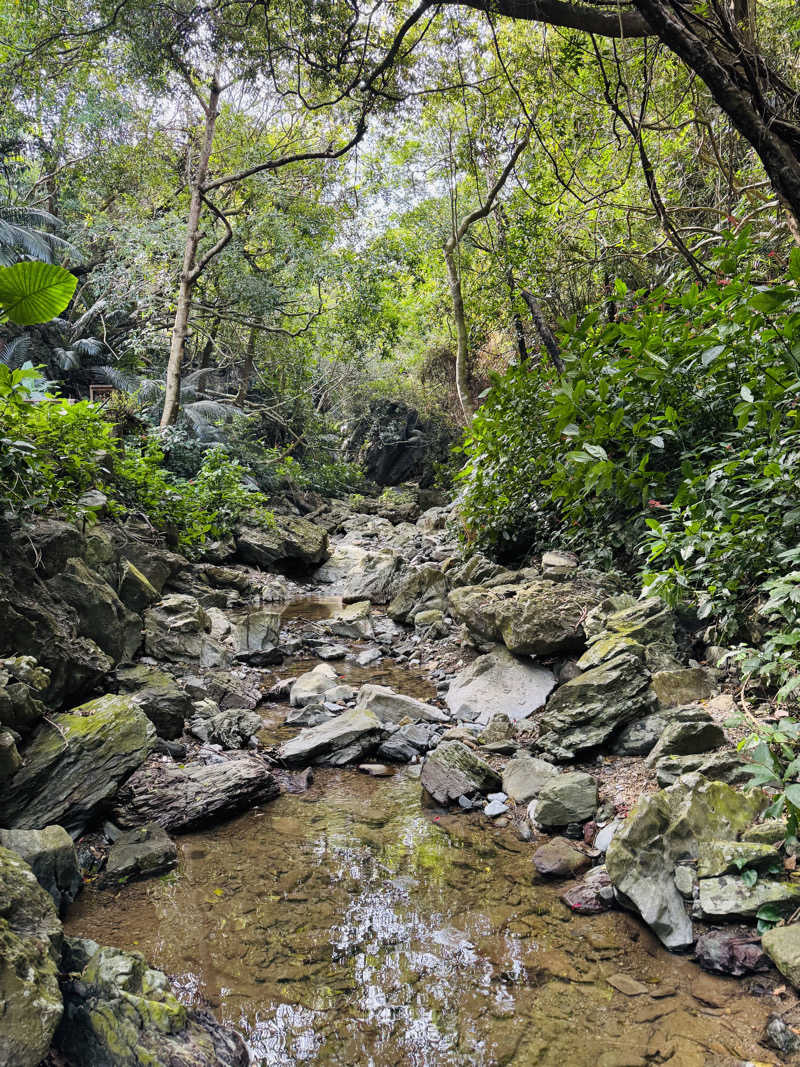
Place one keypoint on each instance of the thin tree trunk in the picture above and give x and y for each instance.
(511, 282)
(548, 337)
(246, 372)
(189, 273)
(462, 348)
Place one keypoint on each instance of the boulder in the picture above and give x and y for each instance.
(51, 543)
(290, 542)
(349, 737)
(373, 578)
(605, 647)
(408, 742)
(782, 945)
(388, 706)
(524, 776)
(232, 728)
(479, 571)
(102, 616)
(499, 683)
(140, 853)
(585, 712)
(51, 856)
(352, 621)
(684, 686)
(182, 797)
(135, 591)
(309, 687)
(309, 715)
(559, 564)
(159, 696)
(119, 1011)
(30, 948)
(230, 690)
(10, 759)
(569, 798)
(422, 589)
(258, 630)
(559, 859)
(452, 771)
(21, 681)
(101, 554)
(639, 737)
(731, 950)
(727, 766)
(157, 565)
(729, 897)
(723, 857)
(593, 895)
(687, 738)
(74, 764)
(666, 829)
(545, 618)
(178, 628)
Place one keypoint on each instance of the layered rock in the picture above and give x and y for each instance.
(140, 853)
(452, 771)
(51, 856)
(389, 706)
(346, 738)
(102, 616)
(159, 696)
(499, 683)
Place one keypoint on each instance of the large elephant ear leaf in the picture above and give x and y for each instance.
(32, 292)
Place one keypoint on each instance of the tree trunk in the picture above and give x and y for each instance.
(462, 348)
(548, 337)
(189, 273)
(511, 282)
(246, 371)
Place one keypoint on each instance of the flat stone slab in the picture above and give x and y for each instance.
(499, 683)
(729, 898)
(390, 706)
(452, 771)
(358, 727)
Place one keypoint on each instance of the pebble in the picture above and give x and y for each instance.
(627, 985)
(495, 807)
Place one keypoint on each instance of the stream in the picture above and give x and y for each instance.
(349, 924)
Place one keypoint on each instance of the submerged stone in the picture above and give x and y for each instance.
(452, 771)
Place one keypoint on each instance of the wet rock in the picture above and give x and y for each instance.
(569, 798)
(558, 859)
(30, 947)
(232, 728)
(733, 950)
(663, 830)
(408, 742)
(422, 589)
(593, 895)
(51, 856)
(331, 652)
(309, 687)
(102, 616)
(686, 686)
(585, 712)
(308, 715)
(389, 706)
(721, 857)
(352, 621)
(134, 590)
(687, 739)
(140, 853)
(258, 630)
(159, 696)
(180, 798)
(291, 541)
(368, 657)
(355, 733)
(639, 738)
(728, 897)
(524, 776)
(74, 764)
(117, 1010)
(269, 656)
(452, 771)
(782, 945)
(779, 1035)
(499, 683)
(178, 628)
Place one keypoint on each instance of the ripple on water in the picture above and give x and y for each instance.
(349, 926)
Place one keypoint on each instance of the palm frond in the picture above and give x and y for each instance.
(123, 380)
(66, 358)
(15, 352)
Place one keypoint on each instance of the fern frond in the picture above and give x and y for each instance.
(14, 353)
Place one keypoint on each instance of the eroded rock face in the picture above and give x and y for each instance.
(102, 616)
(452, 771)
(178, 628)
(499, 683)
(74, 764)
(51, 856)
(586, 711)
(180, 798)
(419, 590)
(346, 738)
(159, 696)
(292, 541)
(118, 1011)
(30, 947)
(663, 831)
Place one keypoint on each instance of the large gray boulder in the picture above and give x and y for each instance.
(21, 683)
(182, 797)
(584, 712)
(140, 853)
(499, 683)
(50, 854)
(452, 771)
(309, 687)
(159, 696)
(422, 589)
(372, 577)
(258, 630)
(118, 1012)
(354, 621)
(74, 764)
(567, 798)
(663, 831)
(525, 776)
(345, 738)
(177, 628)
(30, 948)
(389, 706)
(102, 616)
(291, 541)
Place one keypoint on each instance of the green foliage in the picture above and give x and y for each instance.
(32, 292)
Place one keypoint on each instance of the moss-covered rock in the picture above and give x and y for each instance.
(721, 857)
(159, 696)
(782, 945)
(51, 856)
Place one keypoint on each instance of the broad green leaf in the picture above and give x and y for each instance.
(33, 292)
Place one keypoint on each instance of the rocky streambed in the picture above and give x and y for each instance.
(397, 807)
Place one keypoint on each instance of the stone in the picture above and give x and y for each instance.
(495, 808)
(178, 628)
(232, 728)
(231, 690)
(157, 564)
(102, 616)
(685, 686)
(499, 683)
(21, 680)
(768, 832)
(779, 1035)
(30, 949)
(558, 859)
(665, 830)
(368, 657)
(141, 853)
(524, 776)
(119, 1011)
(358, 731)
(569, 798)
(257, 631)
(782, 945)
(134, 590)
(419, 590)
(389, 706)
(159, 696)
(687, 739)
(409, 742)
(685, 881)
(640, 737)
(721, 857)
(180, 798)
(733, 950)
(374, 577)
(74, 764)
(647, 621)
(728, 897)
(10, 759)
(51, 856)
(309, 687)
(499, 728)
(51, 543)
(625, 983)
(727, 766)
(558, 564)
(591, 896)
(352, 621)
(331, 652)
(309, 715)
(291, 541)
(582, 714)
(605, 835)
(452, 771)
